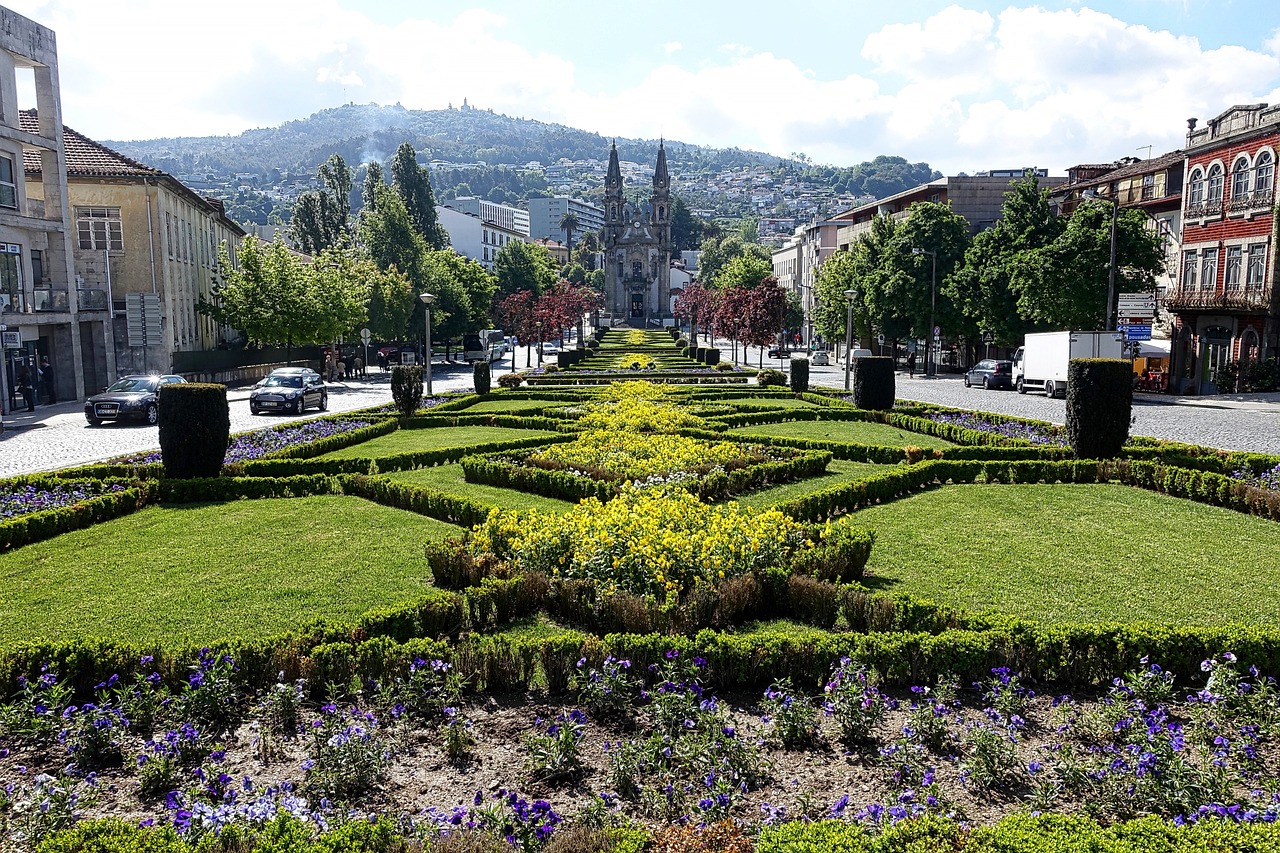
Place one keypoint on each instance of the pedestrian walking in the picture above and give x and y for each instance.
(359, 364)
(911, 363)
(25, 387)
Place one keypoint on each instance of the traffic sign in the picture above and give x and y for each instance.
(12, 340)
(1137, 332)
(1136, 305)
(988, 338)
(937, 331)
(365, 335)
(880, 339)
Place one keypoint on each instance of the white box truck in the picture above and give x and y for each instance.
(1040, 364)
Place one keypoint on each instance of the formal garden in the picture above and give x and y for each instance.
(637, 599)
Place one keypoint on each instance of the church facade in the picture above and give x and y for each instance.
(637, 248)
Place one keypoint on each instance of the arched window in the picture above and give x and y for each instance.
(1264, 171)
(1213, 191)
(662, 213)
(1240, 178)
(1195, 194)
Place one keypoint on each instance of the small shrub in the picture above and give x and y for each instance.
(792, 719)
(551, 368)
(873, 383)
(406, 388)
(724, 367)
(195, 426)
(839, 555)
(481, 377)
(769, 376)
(553, 747)
(799, 375)
(510, 380)
(854, 701)
(1099, 406)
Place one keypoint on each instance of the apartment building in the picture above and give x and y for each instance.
(473, 237)
(545, 214)
(504, 216)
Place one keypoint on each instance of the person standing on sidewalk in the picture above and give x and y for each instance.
(911, 363)
(25, 387)
(46, 380)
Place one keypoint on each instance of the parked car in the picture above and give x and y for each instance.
(819, 357)
(990, 373)
(133, 397)
(779, 352)
(289, 389)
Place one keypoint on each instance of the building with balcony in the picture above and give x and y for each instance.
(1225, 302)
(46, 315)
(978, 198)
(1153, 186)
(797, 263)
(138, 232)
(545, 214)
(473, 237)
(503, 215)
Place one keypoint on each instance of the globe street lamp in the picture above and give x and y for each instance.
(427, 299)
(1108, 320)
(849, 295)
(933, 308)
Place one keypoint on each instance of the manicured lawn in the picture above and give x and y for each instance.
(505, 407)
(771, 403)
(413, 440)
(449, 479)
(852, 432)
(838, 473)
(1077, 553)
(205, 571)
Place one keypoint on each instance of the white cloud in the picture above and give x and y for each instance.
(962, 89)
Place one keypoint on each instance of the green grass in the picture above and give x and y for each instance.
(449, 479)
(838, 473)
(771, 403)
(206, 571)
(413, 440)
(504, 407)
(852, 432)
(1077, 553)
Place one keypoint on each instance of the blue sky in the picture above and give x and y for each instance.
(964, 86)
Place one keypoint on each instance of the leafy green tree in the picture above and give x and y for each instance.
(524, 266)
(387, 233)
(983, 286)
(1064, 284)
(466, 292)
(413, 184)
(718, 252)
(275, 297)
(838, 273)
(743, 271)
(322, 218)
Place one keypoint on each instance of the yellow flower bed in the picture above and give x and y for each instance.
(638, 456)
(637, 407)
(635, 360)
(651, 543)
(635, 337)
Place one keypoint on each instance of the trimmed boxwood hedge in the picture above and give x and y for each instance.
(873, 382)
(1099, 406)
(195, 425)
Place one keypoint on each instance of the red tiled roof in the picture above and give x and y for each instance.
(85, 158)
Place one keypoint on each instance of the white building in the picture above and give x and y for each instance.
(472, 237)
(545, 214)
(504, 216)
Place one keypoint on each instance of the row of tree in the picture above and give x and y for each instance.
(367, 270)
(1034, 270)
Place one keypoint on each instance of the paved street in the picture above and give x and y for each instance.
(57, 436)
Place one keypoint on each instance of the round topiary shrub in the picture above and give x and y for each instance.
(799, 375)
(195, 423)
(769, 376)
(406, 388)
(481, 377)
(724, 367)
(510, 380)
(1099, 406)
(551, 368)
(873, 382)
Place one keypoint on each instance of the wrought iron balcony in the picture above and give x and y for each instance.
(1254, 299)
(1255, 202)
(1204, 209)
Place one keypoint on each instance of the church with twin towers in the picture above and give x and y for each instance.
(637, 248)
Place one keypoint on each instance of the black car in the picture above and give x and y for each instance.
(780, 352)
(289, 389)
(128, 398)
(990, 373)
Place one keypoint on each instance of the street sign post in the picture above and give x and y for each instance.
(1137, 305)
(365, 336)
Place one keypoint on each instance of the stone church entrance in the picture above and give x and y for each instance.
(637, 305)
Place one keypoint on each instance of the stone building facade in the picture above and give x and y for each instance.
(637, 249)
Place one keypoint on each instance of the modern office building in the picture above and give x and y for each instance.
(545, 215)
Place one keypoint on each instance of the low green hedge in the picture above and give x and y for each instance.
(428, 502)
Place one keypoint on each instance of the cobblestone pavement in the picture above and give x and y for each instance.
(57, 436)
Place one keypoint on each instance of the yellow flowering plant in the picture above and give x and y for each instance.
(655, 543)
(637, 456)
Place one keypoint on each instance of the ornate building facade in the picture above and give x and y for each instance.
(637, 248)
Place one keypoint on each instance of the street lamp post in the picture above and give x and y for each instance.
(427, 299)
(933, 310)
(849, 296)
